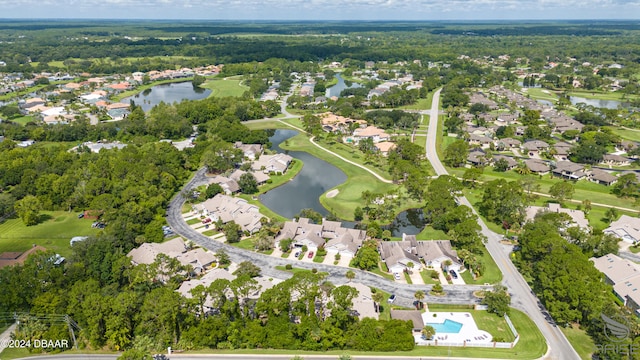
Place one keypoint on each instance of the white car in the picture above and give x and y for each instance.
(396, 276)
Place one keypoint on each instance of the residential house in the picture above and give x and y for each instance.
(511, 162)
(363, 305)
(562, 150)
(480, 140)
(330, 235)
(477, 158)
(569, 170)
(415, 316)
(250, 151)
(278, 163)
(626, 228)
(624, 276)
(602, 177)
(372, 132)
(535, 147)
(577, 216)
(226, 208)
(260, 177)
(229, 186)
(398, 255)
(147, 252)
(199, 259)
(615, 160)
(97, 147)
(508, 143)
(537, 166)
(384, 147)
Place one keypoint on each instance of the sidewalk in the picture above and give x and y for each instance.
(6, 336)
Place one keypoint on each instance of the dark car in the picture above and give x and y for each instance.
(453, 274)
(81, 215)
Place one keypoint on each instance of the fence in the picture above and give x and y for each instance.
(495, 344)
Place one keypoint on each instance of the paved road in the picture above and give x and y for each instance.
(456, 294)
(6, 336)
(521, 294)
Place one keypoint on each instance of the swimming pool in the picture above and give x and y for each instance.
(447, 327)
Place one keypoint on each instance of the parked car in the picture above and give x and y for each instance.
(310, 254)
(206, 221)
(297, 254)
(392, 298)
(396, 276)
(453, 274)
(81, 215)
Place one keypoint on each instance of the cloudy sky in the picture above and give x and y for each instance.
(323, 9)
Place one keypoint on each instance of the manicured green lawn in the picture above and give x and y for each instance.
(429, 233)
(542, 94)
(193, 221)
(421, 104)
(353, 154)
(581, 342)
(23, 120)
(359, 180)
(597, 94)
(222, 88)
(492, 274)
(277, 180)
(209, 233)
(629, 134)
(186, 207)
(262, 125)
(426, 277)
(246, 244)
(53, 233)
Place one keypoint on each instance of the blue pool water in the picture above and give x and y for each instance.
(447, 327)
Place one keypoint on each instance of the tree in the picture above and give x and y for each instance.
(248, 183)
(498, 300)
(28, 209)
(419, 295)
(247, 268)
(501, 165)
(471, 176)
(627, 186)
(350, 275)
(7, 203)
(367, 257)
(285, 244)
(503, 202)
(221, 156)
(586, 205)
(377, 298)
(611, 214)
(455, 155)
(428, 332)
(135, 354)
(232, 231)
(310, 214)
(213, 190)
(561, 191)
(437, 289)
(358, 214)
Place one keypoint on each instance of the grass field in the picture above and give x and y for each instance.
(542, 94)
(358, 180)
(491, 275)
(581, 342)
(23, 120)
(54, 232)
(629, 134)
(225, 87)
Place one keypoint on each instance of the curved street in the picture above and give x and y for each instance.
(522, 296)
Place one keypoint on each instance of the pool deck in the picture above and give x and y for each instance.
(469, 333)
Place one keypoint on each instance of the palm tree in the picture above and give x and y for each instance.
(428, 332)
(350, 275)
(377, 298)
(446, 264)
(419, 295)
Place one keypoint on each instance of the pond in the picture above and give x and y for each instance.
(608, 104)
(317, 177)
(303, 191)
(168, 93)
(336, 89)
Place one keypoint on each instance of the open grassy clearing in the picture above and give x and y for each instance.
(542, 94)
(54, 232)
(581, 342)
(351, 153)
(23, 120)
(421, 104)
(608, 95)
(264, 125)
(225, 87)
(491, 275)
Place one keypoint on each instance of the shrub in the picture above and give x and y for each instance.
(314, 270)
(288, 267)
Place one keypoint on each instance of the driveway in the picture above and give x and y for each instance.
(458, 281)
(416, 278)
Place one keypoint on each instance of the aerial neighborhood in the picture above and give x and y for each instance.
(219, 188)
